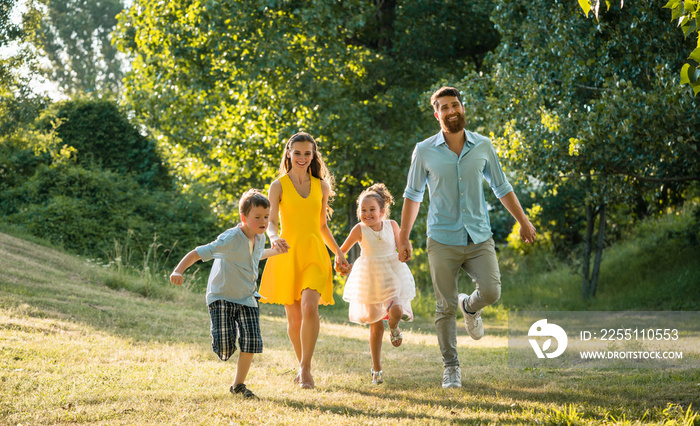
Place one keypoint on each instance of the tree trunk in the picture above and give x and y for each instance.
(599, 251)
(585, 270)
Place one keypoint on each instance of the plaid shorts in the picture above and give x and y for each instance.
(231, 320)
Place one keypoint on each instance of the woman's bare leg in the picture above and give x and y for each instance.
(310, 325)
(294, 326)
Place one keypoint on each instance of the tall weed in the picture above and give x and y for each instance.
(150, 276)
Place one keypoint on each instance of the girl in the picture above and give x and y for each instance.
(380, 286)
(303, 279)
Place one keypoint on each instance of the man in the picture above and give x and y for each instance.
(453, 164)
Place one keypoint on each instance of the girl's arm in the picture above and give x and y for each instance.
(353, 238)
(326, 232)
(187, 261)
(397, 231)
(275, 196)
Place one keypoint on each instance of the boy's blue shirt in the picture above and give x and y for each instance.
(234, 273)
(457, 207)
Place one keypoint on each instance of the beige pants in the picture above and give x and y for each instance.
(480, 263)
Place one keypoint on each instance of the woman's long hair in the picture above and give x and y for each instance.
(317, 168)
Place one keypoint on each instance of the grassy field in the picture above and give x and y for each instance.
(77, 348)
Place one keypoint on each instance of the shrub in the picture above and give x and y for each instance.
(86, 209)
(103, 136)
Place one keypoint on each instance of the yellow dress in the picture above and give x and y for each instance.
(307, 263)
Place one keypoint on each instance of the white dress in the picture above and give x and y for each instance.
(378, 279)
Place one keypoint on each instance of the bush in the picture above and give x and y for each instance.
(103, 136)
(86, 209)
(96, 181)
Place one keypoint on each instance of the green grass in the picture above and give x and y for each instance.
(79, 345)
(654, 268)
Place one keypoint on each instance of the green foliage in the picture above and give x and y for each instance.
(608, 128)
(98, 184)
(688, 14)
(652, 267)
(225, 84)
(18, 105)
(86, 209)
(9, 31)
(75, 37)
(103, 135)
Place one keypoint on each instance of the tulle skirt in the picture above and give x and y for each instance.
(374, 285)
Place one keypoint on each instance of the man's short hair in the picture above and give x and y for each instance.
(444, 91)
(252, 198)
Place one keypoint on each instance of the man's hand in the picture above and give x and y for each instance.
(528, 232)
(404, 247)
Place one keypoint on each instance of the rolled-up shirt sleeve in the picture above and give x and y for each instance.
(214, 249)
(416, 181)
(495, 176)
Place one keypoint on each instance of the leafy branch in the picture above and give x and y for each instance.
(688, 16)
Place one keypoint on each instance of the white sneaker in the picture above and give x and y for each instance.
(452, 378)
(473, 322)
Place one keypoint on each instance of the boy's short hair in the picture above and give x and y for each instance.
(252, 198)
(444, 91)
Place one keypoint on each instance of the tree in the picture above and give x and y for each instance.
(583, 108)
(9, 31)
(687, 12)
(75, 37)
(19, 106)
(225, 84)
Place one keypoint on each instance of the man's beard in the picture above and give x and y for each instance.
(454, 126)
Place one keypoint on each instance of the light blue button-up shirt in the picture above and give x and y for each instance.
(457, 208)
(235, 270)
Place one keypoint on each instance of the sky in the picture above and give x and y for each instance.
(39, 84)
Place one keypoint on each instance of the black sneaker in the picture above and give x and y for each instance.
(240, 388)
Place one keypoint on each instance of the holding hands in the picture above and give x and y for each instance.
(404, 247)
(280, 244)
(341, 265)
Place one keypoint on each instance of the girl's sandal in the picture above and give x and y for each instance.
(377, 378)
(395, 336)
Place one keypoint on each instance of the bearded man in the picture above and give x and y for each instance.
(453, 164)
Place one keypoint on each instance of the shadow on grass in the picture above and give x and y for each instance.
(600, 392)
(55, 285)
(347, 410)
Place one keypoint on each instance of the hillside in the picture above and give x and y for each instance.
(76, 351)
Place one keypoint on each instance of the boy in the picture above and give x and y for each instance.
(231, 289)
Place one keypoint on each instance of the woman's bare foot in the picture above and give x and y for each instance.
(306, 381)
